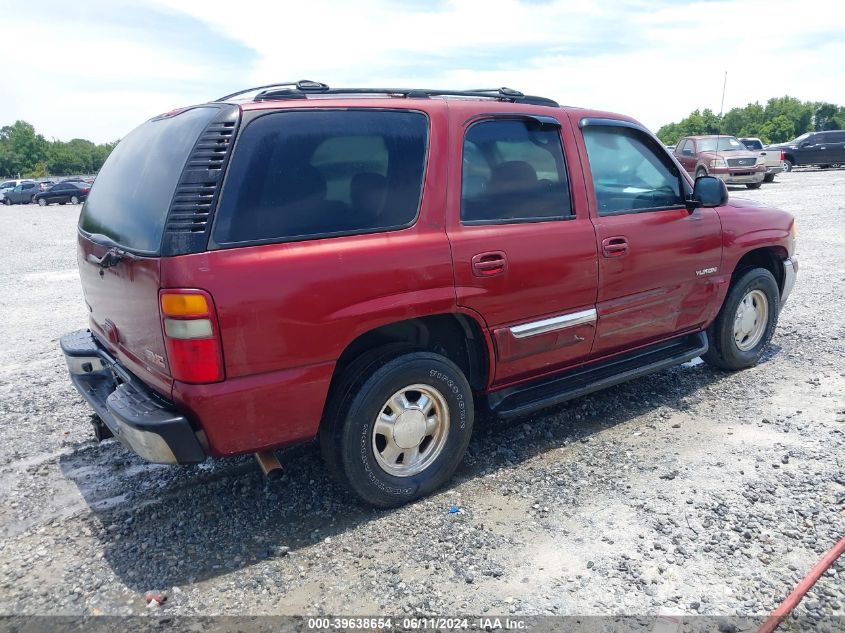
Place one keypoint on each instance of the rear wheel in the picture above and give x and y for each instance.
(42, 202)
(74, 200)
(788, 165)
(769, 178)
(753, 185)
(397, 430)
(745, 323)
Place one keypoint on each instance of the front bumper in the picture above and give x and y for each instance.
(790, 271)
(139, 418)
(739, 177)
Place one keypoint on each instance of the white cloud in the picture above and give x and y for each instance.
(653, 59)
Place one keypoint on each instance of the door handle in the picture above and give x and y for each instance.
(489, 264)
(614, 246)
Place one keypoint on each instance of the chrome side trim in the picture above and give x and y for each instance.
(555, 323)
(788, 279)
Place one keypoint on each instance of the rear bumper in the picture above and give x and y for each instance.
(772, 170)
(139, 418)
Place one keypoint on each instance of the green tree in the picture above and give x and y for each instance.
(778, 130)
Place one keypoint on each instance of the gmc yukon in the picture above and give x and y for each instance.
(369, 266)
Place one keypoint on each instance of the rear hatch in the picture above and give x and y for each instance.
(151, 199)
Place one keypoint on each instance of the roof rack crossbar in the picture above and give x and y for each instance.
(302, 88)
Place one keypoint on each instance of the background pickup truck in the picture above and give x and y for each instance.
(773, 157)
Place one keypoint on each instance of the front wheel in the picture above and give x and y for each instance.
(746, 322)
(700, 172)
(399, 431)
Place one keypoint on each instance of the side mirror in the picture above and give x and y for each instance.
(805, 144)
(708, 191)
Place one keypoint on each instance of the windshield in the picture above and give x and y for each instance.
(131, 197)
(801, 138)
(721, 144)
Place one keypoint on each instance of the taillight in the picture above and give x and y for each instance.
(191, 336)
(782, 156)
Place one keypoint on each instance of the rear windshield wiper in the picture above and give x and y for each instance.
(113, 256)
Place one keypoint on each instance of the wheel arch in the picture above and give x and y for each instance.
(769, 257)
(459, 337)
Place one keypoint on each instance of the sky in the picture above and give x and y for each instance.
(97, 68)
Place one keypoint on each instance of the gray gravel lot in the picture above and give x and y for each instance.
(690, 490)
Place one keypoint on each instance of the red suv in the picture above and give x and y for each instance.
(369, 266)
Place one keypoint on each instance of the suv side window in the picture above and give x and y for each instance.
(836, 137)
(301, 175)
(687, 148)
(513, 171)
(629, 175)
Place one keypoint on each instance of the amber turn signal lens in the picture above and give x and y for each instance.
(183, 305)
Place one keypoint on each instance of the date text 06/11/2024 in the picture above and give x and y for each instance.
(416, 624)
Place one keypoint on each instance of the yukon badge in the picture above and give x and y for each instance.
(706, 271)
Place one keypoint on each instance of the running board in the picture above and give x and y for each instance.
(545, 392)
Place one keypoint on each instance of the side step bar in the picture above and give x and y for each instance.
(574, 383)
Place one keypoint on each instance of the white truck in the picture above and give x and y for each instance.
(773, 157)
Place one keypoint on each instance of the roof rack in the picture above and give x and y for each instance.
(301, 89)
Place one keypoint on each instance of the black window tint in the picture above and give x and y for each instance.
(629, 175)
(513, 170)
(752, 145)
(836, 137)
(319, 173)
(133, 191)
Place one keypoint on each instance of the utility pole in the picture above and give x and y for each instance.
(724, 85)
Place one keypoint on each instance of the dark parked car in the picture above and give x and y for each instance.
(825, 149)
(24, 193)
(73, 192)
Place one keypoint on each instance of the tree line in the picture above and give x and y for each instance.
(781, 119)
(25, 153)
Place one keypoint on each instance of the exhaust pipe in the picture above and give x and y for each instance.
(270, 465)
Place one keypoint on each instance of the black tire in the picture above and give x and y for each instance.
(32, 199)
(769, 178)
(788, 165)
(700, 172)
(754, 185)
(346, 436)
(724, 352)
(7, 202)
(42, 202)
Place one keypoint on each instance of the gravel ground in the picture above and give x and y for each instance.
(689, 491)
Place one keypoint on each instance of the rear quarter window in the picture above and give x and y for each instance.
(131, 196)
(308, 174)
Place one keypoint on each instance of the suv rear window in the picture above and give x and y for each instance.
(131, 196)
(297, 175)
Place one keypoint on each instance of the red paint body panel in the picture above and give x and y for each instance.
(286, 312)
(242, 415)
(123, 312)
(551, 266)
